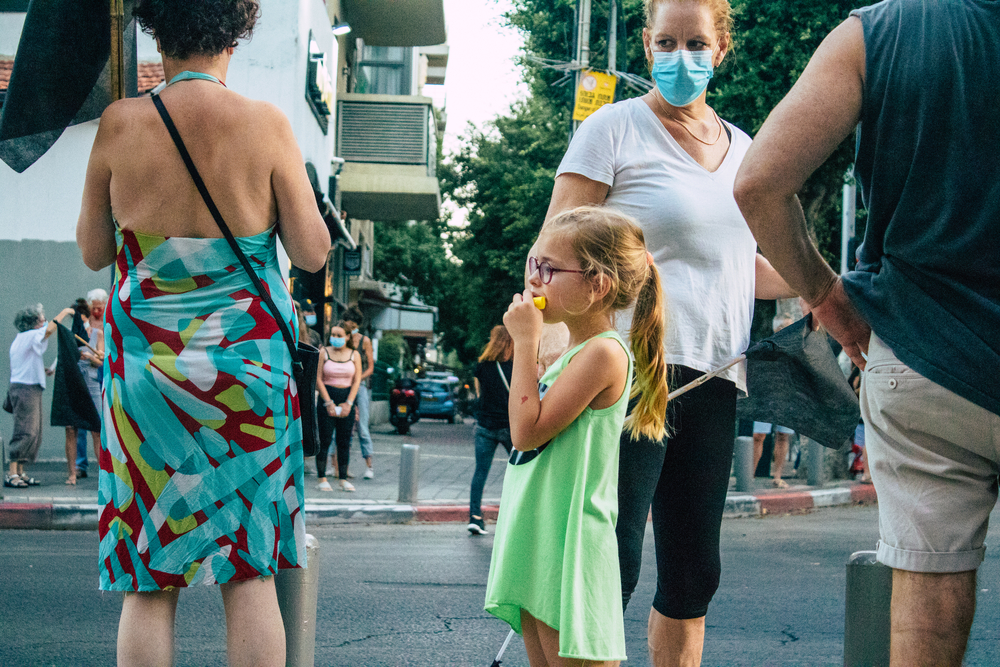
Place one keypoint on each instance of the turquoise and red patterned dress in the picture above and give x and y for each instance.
(201, 450)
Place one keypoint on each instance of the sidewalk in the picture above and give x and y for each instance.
(446, 465)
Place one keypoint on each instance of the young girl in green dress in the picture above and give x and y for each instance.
(554, 573)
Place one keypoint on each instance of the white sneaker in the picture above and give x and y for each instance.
(369, 474)
(346, 486)
(324, 486)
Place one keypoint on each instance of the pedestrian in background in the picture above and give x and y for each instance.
(553, 573)
(338, 377)
(307, 322)
(201, 475)
(353, 320)
(92, 367)
(668, 160)
(492, 382)
(24, 397)
(921, 313)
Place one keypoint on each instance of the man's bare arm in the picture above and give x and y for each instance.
(820, 111)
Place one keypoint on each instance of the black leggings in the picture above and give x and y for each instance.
(343, 426)
(686, 482)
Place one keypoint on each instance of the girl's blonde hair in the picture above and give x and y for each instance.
(500, 347)
(610, 244)
(722, 13)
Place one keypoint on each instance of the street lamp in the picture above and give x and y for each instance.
(341, 28)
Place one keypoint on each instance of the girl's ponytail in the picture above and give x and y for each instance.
(648, 417)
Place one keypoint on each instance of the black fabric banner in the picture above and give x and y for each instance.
(794, 380)
(61, 75)
(71, 402)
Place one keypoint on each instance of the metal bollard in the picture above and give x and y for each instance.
(743, 464)
(866, 611)
(817, 454)
(298, 591)
(409, 473)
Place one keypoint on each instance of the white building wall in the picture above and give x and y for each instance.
(39, 260)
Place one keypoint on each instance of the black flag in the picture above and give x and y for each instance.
(71, 402)
(61, 75)
(793, 379)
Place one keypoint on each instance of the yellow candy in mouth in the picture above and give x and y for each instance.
(539, 302)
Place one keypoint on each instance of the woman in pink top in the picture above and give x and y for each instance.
(337, 379)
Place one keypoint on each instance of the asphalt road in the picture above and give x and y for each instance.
(412, 595)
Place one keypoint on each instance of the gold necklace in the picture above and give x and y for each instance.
(685, 128)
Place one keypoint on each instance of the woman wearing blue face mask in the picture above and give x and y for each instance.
(337, 380)
(668, 160)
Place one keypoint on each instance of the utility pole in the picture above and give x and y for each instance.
(582, 49)
(847, 219)
(613, 36)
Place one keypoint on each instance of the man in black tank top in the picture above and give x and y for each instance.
(917, 77)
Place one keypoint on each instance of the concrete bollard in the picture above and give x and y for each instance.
(816, 461)
(743, 463)
(409, 473)
(298, 592)
(866, 611)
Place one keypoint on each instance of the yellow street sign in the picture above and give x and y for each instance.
(596, 89)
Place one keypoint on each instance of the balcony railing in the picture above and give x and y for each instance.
(389, 147)
(387, 129)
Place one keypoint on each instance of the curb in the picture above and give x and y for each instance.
(83, 516)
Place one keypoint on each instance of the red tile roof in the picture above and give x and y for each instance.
(150, 74)
(5, 68)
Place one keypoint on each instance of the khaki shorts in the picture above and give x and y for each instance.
(933, 457)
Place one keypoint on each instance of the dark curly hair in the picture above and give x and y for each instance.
(188, 28)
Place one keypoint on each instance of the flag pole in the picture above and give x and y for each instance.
(704, 378)
(117, 56)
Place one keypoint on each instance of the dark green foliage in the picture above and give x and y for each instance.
(503, 177)
(503, 174)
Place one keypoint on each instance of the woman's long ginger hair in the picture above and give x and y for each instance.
(610, 244)
(500, 347)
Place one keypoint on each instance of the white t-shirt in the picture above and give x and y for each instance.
(696, 233)
(26, 365)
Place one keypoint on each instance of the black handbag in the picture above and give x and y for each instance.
(305, 357)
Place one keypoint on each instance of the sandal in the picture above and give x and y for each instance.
(71, 481)
(780, 483)
(31, 481)
(14, 482)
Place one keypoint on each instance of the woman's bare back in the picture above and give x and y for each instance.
(231, 140)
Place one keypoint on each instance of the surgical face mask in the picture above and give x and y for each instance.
(311, 320)
(337, 342)
(681, 76)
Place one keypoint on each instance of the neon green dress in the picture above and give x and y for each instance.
(555, 553)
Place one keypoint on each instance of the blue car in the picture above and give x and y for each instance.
(437, 400)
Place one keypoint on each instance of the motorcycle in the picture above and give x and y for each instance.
(404, 405)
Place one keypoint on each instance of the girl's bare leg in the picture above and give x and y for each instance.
(255, 635)
(542, 645)
(146, 629)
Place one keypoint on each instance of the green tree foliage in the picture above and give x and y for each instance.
(503, 174)
(503, 177)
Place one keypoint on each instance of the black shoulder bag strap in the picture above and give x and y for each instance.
(214, 210)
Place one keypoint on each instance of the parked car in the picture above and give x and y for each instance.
(437, 399)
